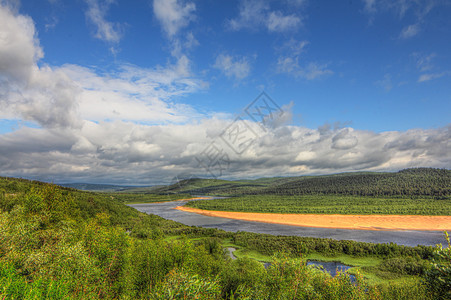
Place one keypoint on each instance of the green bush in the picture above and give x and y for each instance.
(240, 273)
(438, 278)
(180, 285)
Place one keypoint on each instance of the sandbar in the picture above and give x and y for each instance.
(360, 222)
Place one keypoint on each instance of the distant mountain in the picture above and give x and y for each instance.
(98, 187)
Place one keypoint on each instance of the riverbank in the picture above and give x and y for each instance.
(359, 222)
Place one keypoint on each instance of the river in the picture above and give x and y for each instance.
(404, 237)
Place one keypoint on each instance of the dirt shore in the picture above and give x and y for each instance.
(362, 222)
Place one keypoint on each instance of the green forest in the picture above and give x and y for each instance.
(61, 243)
(406, 183)
(330, 204)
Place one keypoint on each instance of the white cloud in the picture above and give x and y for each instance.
(427, 77)
(400, 7)
(173, 14)
(424, 62)
(296, 2)
(86, 134)
(370, 5)
(64, 97)
(295, 47)
(278, 22)
(19, 48)
(251, 14)
(124, 152)
(409, 31)
(135, 94)
(233, 67)
(291, 62)
(428, 70)
(27, 91)
(254, 14)
(105, 30)
(405, 10)
(290, 65)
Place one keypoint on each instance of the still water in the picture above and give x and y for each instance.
(404, 237)
(331, 267)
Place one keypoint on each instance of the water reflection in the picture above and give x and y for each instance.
(331, 267)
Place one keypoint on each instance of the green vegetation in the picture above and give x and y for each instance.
(131, 198)
(328, 204)
(422, 191)
(405, 183)
(60, 243)
(409, 182)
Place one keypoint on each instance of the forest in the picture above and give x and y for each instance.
(405, 183)
(61, 243)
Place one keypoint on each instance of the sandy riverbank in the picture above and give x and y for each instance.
(362, 222)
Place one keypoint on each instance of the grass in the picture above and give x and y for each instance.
(329, 204)
(347, 260)
(366, 266)
(132, 198)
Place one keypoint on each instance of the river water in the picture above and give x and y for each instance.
(404, 237)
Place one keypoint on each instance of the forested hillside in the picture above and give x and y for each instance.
(60, 243)
(405, 183)
(409, 182)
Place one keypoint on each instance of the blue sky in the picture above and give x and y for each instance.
(93, 89)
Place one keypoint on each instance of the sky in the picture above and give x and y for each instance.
(140, 92)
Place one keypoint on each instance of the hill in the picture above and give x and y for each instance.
(61, 243)
(98, 187)
(408, 182)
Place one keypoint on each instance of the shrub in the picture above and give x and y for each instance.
(438, 278)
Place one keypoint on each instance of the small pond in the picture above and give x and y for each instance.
(331, 267)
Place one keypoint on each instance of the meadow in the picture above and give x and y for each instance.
(330, 204)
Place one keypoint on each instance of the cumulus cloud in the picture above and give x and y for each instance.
(105, 30)
(237, 68)
(344, 140)
(86, 134)
(19, 47)
(124, 152)
(173, 14)
(66, 96)
(135, 94)
(33, 93)
(254, 14)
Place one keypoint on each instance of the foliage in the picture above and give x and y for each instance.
(180, 285)
(328, 204)
(295, 245)
(409, 182)
(58, 243)
(405, 183)
(438, 278)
